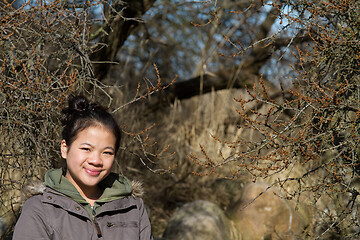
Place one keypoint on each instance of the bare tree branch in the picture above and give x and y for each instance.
(124, 17)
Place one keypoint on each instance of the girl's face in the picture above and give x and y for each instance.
(89, 158)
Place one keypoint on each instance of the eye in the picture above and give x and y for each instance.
(109, 153)
(85, 149)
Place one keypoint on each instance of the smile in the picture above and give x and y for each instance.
(92, 172)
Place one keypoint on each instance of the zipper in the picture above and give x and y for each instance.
(97, 228)
(96, 225)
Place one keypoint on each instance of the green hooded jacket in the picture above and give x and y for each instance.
(115, 186)
(59, 212)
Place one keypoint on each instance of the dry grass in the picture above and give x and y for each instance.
(182, 127)
(185, 126)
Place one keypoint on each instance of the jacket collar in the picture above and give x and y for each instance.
(115, 186)
(53, 197)
(37, 187)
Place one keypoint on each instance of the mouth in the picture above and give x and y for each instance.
(92, 172)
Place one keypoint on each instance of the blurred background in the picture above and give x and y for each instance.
(239, 117)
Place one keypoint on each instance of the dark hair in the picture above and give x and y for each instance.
(81, 114)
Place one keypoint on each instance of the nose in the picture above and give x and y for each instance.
(95, 159)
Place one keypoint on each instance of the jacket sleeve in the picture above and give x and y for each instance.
(32, 223)
(145, 227)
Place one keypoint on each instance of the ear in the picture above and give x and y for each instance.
(64, 149)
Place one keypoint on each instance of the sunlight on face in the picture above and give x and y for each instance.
(89, 158)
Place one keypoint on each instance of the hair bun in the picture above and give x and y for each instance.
(78, 106)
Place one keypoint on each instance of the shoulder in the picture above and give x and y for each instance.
(39, 200)
(141, 209)
(125, 204)
(33, 210)
(31, 195)
(128, 201)
(33, 189)
(138, 202)
(34, 203)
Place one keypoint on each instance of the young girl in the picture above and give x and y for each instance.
(85, 200)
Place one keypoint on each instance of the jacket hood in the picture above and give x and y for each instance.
(114, 185)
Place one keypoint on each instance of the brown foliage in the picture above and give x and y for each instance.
(44, 57)
(306, 139)
(302, 138)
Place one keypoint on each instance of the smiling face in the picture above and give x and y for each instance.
(89, 158)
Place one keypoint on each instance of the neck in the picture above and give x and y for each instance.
(91, 195)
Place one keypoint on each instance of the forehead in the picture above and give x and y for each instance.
(98, 134)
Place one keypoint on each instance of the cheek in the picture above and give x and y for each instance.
(72, 158)
(69, 163)
(109, 163)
